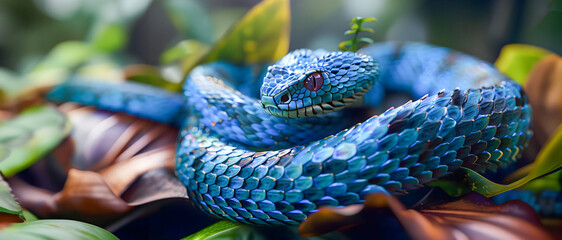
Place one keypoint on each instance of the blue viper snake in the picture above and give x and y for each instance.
(277, 159)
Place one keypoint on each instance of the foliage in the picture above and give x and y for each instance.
(262, 35)
(117, 155)
(517, 60)
(29, 136)
(63, 60)
(14, 228)
(356, 27)
(552, 182)
(191, 19)
(106, 26)
(230, 230)
(110, 38)
(188, 50)
(150, 75)
(7, 202)
(471, 217)
(547, 161)
(55, 229)
(105, 189)
(223, 230)
(66, 55)
(544, 91)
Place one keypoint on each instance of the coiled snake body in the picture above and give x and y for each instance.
(262, 162)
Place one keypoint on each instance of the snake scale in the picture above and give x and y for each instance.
(275, 161)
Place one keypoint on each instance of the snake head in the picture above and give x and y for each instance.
(307, 83)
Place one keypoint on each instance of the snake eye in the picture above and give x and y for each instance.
(285, 98)
(314, 81)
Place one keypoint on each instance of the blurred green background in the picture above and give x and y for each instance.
(141, 30)
(115, 33)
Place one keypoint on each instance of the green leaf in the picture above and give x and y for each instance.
(352, 31)
(43, 229)
(189, 52)
(28, 216)
(546, 162)
(366, 40)
(359, 20)
(343, 46)
(150, 75)
(7, 202)
(3, 153)
(369, 19)
(366, 30)
(552, 182)
(102, 68)
(51, 70)
(55, 229)
(356, 43)
(223, 230)
(190, 18)
(262, 35)
(156, 80)
(356, 20)
(15, 88)
(10, 84)
(230, 230)
(66, 55)
(517, 60)
(30, 136)
(110, 38)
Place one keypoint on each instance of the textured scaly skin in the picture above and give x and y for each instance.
(240, 163)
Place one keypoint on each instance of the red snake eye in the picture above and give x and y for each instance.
(314, 81)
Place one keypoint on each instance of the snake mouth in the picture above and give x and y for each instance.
(317, 109)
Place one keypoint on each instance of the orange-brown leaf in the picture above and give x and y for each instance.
(544, 89)
(472, 217)
(120, 175)
(114, 162)
(7, 219)
(86, 192)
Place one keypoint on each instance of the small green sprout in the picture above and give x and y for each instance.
(356, 43)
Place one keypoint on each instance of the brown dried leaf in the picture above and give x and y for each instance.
(118, 140)
(37, 200)
(544, 89)
(472, 217)
(159, 131)
(115, 162)
(86, 194)
(7, 219)
(120, 175)
(5, 115)
(476, 217)
(553, 226)
(155, 185)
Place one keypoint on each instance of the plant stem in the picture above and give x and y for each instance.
(354, 39)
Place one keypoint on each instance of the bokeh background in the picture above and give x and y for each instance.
(30, 28)
(140, 31)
